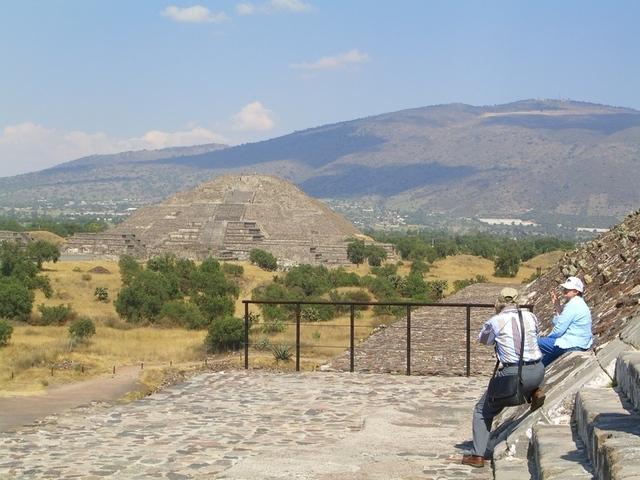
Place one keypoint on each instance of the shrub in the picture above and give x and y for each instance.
(309, 313)
(413, 286)
(5, 332)
(375, 255)
(101, 294)
(116, 323)
(81, 329)
(262, 344)
(226, 333)
(339, 277)
(183, 314)
(357, 296)
(55, 315)
(86, 277)
(419, 267)
(435, 290)
(282, 352)
(263, 259)
(273, 326)
(233, 269)
(460, 284)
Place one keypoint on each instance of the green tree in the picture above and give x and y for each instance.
(356, 251)
(16, 299)
(6, 330)
(178, 313)
(41, 251)
(263, 259)
(311, 280)
(414, 287)
(211, 291)
(143, 299)
(375, 255)
(15, 263)
(507, 263)
(129, 268)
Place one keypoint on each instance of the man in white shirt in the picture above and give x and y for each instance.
(503, 331)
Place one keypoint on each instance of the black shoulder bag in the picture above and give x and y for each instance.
(507, 390)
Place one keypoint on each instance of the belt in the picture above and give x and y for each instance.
(532, 362)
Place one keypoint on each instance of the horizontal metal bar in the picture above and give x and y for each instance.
(384, 304)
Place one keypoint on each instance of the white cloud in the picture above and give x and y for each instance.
(27, 146)
(335, 61)
(253, 116)
(246, 9)
(272, 6)
(194, 14)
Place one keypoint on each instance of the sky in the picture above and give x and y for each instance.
(81, 77)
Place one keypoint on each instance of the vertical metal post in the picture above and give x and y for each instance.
(297, 337)
(468, 340)
(352, 338)
(246, 335)
(408, 339)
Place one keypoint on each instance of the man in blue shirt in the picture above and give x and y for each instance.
(571, 324)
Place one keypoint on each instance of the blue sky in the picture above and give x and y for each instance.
(82, 77)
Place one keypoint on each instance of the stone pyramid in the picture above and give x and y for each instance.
(231, 215)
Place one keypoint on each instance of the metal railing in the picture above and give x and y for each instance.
(352, 317)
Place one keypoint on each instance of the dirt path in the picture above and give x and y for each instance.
(18, 411)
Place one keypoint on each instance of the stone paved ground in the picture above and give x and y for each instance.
(260, 425)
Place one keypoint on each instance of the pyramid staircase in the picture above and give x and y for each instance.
(589, 427)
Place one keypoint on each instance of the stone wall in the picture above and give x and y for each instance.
(21, 237)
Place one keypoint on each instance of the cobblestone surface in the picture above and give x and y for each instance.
(260, 425)
(438, 339)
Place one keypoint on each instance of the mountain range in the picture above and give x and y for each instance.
(526, 158)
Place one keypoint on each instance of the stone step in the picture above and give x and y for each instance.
(557, 455)
(511, 469)
(610, 429)
(628, 376)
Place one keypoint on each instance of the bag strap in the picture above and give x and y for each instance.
(522, 335)
(521, 358)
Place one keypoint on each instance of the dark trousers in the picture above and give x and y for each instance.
(485, 411)
(550, 351)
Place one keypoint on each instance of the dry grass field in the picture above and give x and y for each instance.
(459, 267)
(33, 350)
(73, 283)
(47, 236)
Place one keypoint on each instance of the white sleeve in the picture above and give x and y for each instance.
(487, 335)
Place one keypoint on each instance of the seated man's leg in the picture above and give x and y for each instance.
(483, 415)
(549, 350)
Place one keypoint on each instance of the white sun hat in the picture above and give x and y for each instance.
(573, 283)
